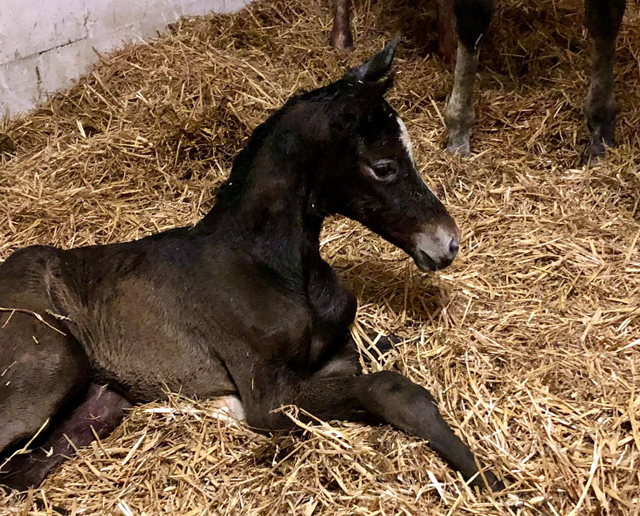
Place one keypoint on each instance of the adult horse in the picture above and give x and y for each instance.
(239, 304)
(470, 20)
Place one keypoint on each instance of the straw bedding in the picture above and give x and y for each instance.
(531, 340)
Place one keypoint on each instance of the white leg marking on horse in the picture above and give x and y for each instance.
(228, 407)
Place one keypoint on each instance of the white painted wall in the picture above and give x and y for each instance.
(45, 45)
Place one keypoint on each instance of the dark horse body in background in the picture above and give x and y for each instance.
(470, 20)
(239, 304)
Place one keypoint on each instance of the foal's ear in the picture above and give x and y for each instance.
(376, 67)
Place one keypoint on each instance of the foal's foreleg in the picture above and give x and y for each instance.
(603, 19)
(341, 31)
(396, 400)
(472, 21)
(346, 360)
(384, 397)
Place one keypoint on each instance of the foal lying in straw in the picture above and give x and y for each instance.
(241, 303)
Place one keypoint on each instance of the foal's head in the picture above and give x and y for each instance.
(366, 169)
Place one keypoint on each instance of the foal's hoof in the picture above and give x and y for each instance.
(494, 483)
(382, 346)
(384, 343)
(17, 482)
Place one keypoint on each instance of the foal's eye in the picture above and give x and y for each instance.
(384, 170)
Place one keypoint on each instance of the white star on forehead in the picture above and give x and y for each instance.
(404, 137)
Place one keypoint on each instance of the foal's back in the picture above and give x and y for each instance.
(119, 315)
(159, 312)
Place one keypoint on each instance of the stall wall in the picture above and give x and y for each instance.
(47, 44)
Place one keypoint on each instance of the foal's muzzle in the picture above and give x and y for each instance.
(436, 246)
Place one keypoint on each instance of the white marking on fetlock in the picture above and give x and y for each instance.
(459, 113)
(228, 407)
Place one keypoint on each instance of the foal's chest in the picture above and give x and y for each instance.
(274, 317)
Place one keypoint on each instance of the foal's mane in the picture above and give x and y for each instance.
(242, 164)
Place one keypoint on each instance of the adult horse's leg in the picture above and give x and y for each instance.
(341, 31)
(99, 412)
(472, 21)
(386, 396)
(446, 30)
(603, 19)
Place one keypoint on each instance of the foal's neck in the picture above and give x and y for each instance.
(267, 205)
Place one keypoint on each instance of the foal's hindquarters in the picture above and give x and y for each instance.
(68, 374)
(45, 386)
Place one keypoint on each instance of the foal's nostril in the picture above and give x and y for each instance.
(454, 246)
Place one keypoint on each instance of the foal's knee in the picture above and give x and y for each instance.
(395, 398)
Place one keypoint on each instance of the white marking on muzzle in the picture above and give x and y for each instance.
(438, 244)
(404, 138)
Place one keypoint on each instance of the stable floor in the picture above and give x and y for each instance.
(530, 340)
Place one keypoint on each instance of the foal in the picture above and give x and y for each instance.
(239, 304)
(470, 19)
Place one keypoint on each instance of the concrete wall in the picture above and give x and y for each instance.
(45, 45)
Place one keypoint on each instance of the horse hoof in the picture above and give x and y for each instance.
(23, 474)
(460, 148)
(601, 137)
(386, 343)
(596, 152)
(495, 484)
(18, 483)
